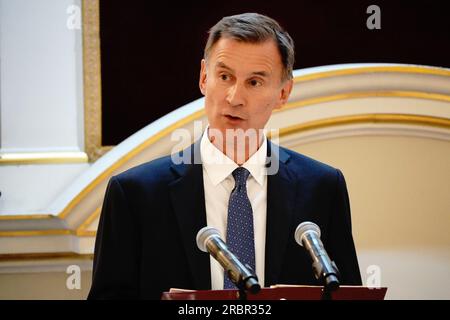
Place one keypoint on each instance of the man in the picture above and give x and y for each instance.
(146, 241)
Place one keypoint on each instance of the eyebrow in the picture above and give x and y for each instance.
(256, 73)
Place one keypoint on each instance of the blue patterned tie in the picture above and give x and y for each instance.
(240, 235)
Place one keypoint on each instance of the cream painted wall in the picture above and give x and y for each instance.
(42, 286)
(399, 190)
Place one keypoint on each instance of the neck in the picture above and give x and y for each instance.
(239, 146)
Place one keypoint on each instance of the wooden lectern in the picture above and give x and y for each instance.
(280, 292)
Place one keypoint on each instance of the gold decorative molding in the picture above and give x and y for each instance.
(366, 94)
(373, 69)
(86, 233)
(82, 230)
(42, 158)
(27, 217)
(8, 257)
(36, 233)
(406, 119)
(92, 80)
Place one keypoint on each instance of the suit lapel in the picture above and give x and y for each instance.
(188, 200)
(281, 189)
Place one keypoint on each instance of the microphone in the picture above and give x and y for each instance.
(307, 235)
(209, 240)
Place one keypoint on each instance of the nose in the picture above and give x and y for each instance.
(236, 94)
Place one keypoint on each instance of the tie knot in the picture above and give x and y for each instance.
(240, 176)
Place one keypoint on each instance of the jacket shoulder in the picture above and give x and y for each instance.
(309, 167)
(153, 172)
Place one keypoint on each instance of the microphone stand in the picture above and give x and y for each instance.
(247, 282)
(242, 294)
(330, 282)
(326, 294)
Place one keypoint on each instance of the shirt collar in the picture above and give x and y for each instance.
(218, 166)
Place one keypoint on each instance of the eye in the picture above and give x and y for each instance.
(255, 83)
(224, 77)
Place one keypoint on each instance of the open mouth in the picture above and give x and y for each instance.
(230, 117)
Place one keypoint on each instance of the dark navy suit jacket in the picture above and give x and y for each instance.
(146, 239)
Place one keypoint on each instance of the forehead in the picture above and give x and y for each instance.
(246, 57)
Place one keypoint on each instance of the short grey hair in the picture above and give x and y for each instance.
(254, 28)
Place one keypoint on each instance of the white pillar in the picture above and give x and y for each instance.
(41, 77)
(41, 101)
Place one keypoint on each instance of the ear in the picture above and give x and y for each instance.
(202, 80)
(285, 93)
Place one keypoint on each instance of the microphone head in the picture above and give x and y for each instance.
(203, 235)
(304, 228)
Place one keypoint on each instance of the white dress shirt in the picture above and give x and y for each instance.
(218, 183)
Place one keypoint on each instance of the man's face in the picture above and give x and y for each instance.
(242, 84)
